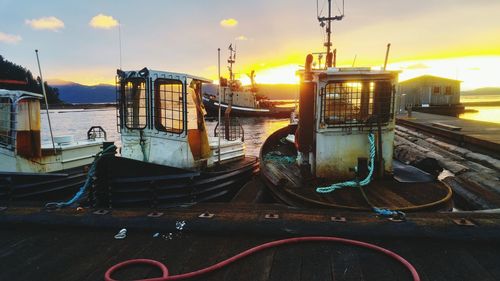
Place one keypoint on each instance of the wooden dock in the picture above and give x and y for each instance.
(478, 136)
(41, 245)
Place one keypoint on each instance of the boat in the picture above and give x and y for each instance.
(340, 154)
(34, 170)
(243, 101)
(167, 158)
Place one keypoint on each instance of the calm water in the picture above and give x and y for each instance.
(77, 122)
(484, 113)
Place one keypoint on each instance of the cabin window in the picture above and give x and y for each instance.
(169, 105)
(5, 121)
(436, 90)
(447, 91)
(134, 103)
(348, 104)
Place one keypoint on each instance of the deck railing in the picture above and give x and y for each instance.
(230, 129)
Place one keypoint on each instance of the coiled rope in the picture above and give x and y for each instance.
(88, 181)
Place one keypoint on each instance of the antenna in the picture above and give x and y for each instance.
(120, 42)
(354, 61)
(387, 55)
(218, 94)
(46, 103)
(329, 19)
(231, 61)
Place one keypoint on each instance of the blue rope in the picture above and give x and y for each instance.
(284, 159)
(366, 181)
(88, 182)
(387, 212)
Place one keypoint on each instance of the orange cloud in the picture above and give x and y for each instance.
(230, 22)
(103, 22)
(9, 38)
(47, 23)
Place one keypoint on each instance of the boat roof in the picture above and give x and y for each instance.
(18, 94)
(165, 74)
(352, 72)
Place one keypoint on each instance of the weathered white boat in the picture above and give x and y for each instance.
(240, 100)
(340, 155)
(32, 170)
(167, 157)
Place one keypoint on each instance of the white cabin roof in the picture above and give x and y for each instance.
(165, 74)
(15, 95)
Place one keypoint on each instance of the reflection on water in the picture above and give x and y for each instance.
(77, 122)
(484, 113)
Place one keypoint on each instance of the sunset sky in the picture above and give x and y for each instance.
(78, 40)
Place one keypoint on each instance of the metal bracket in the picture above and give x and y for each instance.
(206, 215)
(155, 214)
(100, 212)
(464, 222)
(338, 219)
(271, 216)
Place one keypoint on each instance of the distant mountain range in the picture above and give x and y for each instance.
(71, 92)
(488, 91)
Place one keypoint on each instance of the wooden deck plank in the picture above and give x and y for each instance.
(257, 266)
(346, 264)
(316, 262)
(485, 135)
(286, 265)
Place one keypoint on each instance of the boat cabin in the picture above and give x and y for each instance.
(21, 145)
(339, 109)
(161, 121)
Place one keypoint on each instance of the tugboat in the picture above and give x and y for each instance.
(244, 101)
(167, 157)
(340, 155)
(32, 170)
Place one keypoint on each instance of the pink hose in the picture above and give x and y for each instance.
(253, 250)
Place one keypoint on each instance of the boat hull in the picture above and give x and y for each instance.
(40, 188)
(212, 108)
(123, 182)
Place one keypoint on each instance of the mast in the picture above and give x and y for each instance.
(231, 61)
(46, 103)
(329, 19)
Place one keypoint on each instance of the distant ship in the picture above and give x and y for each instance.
(242, 101)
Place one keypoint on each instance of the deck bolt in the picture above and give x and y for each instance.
(206, 215)
(338, 219)
(155, 214)
(464, 222)
(271, 216)
(100, 212)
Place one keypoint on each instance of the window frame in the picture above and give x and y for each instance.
(124, 107)
(10, 139)
(371, 107)
(158, 124)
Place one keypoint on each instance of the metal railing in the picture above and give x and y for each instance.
(230, 129)
(96, 132)
(7, 125)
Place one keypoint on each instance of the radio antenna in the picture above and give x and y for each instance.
(328, 20)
